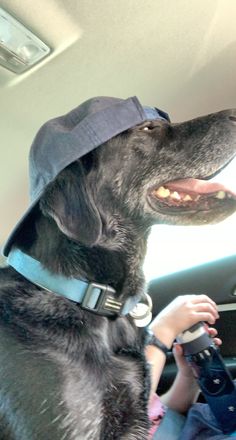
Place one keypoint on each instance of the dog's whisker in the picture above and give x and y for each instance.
(44, 410)
(62, 402)
(57, 418)
(43, 402)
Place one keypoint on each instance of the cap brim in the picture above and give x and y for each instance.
(12, 237)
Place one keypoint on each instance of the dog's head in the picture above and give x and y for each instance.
(135, 169)
(155, 172)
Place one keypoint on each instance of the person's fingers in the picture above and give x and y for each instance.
(178, 354)
(203, 298)
(217, 341)
(177, 348)
(206, 307)
(204, 316)
(213, 333)
(211, 330)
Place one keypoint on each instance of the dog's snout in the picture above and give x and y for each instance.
(228, 116)
(233, 119)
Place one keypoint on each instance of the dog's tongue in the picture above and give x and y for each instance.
(197, 186)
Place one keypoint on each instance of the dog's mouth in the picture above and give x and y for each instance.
(190, 195)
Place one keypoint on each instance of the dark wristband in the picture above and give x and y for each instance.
(153, 340)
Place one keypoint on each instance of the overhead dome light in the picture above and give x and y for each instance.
(20, 49)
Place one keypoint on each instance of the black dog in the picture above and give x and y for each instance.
(66, 372)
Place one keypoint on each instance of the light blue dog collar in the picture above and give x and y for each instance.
(97, 298)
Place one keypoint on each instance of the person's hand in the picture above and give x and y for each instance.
(181, 314)
(182, 364)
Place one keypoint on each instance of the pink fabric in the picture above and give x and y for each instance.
(156, 411)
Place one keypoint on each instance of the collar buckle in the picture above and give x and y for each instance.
(100, 299)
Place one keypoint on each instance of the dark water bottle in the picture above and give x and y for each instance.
(213, 377)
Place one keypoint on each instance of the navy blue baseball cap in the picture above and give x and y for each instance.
(64, 139)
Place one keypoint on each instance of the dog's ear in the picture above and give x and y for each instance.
(69, 201)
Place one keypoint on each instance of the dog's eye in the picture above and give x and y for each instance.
(146, 127)
(150, 125)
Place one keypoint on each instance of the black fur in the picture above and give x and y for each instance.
(67, 373)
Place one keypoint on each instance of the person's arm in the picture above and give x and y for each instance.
(184, 390)
(178, 316)
(156, 359)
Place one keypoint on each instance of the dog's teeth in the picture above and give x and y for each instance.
(163, 192)
(175, 195)
(187, 198)
(146, 128)
(220, 195)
